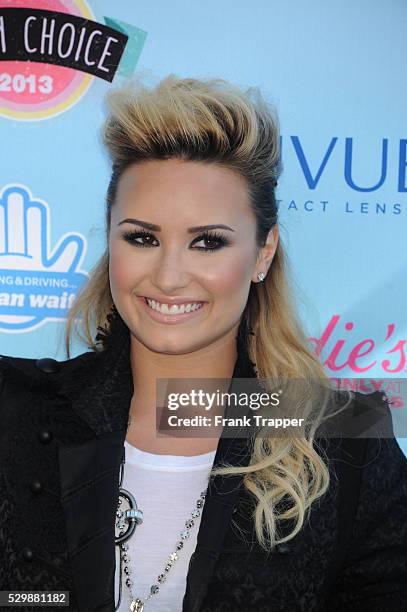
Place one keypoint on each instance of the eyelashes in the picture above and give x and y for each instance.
(220, 239)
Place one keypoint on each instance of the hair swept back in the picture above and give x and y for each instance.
(211, 120)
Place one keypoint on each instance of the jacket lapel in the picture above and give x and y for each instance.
(97, 396)
(89, 492)
(98, 393)
(220, 500)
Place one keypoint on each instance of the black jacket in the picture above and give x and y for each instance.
(62, 430)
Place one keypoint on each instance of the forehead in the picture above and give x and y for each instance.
(173, 186)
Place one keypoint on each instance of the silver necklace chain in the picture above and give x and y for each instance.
(126, 523)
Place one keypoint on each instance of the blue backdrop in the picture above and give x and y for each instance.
(333, 71)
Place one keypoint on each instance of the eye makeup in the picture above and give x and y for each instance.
(208, 236)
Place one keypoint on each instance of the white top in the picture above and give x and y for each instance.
(166, 488)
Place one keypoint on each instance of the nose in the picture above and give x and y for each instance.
(171, 273)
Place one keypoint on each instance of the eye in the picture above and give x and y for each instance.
(143, 239)
(131, 237)
(215, 238)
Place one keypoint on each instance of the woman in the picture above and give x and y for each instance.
(279, 522)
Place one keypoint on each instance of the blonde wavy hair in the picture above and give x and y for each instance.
(214, 121)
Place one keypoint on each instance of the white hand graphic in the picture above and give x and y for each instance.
(25, 236)
(36, 284)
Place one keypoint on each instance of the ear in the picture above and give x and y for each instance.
(266, 254)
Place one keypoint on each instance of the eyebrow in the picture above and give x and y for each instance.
(190, 230)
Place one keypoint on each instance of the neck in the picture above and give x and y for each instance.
(216, 361)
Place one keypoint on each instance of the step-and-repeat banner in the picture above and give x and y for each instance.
(334, 73)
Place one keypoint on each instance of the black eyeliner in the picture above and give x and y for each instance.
(222, 240)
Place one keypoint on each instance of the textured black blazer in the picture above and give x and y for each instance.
(62, 431)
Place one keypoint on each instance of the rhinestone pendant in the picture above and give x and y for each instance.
(136, 605)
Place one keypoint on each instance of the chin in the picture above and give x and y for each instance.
(174, 346)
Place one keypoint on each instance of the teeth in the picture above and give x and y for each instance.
(175, 308)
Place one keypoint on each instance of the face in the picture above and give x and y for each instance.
(179, 287)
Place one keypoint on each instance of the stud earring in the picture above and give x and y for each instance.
(261, 276)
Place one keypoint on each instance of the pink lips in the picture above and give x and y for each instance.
(168, 318)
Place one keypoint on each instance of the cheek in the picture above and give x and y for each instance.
(232, 277)
(121, 270)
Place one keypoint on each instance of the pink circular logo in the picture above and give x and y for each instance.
(31, 91)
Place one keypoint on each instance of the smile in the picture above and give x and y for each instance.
(171, 313)
(174, 308)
